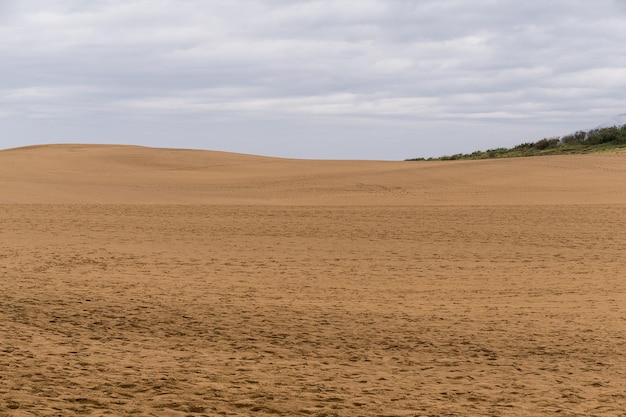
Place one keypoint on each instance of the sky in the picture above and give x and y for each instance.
(342, 79)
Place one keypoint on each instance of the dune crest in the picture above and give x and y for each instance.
(115, 174)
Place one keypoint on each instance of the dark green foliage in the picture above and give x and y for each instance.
(616, 135)
(579, 142)
(525, 145)
(546, 143)
(574, 138)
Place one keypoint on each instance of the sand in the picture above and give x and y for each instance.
(154, 282)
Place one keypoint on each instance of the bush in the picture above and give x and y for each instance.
(525, 145)
(546, 144)
(615, 135)
(574, 138)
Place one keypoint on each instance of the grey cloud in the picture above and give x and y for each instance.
(550, 63)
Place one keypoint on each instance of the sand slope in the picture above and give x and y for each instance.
(128, 175)
(150, 282)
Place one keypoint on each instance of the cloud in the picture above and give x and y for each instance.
(342, 60)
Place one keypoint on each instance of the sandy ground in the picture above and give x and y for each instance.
(150, 282)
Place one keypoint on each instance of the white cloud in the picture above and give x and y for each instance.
(329, 105)
(597, 78)
(36, 93)
(392, 65)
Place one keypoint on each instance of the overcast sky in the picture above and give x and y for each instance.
(355, 79)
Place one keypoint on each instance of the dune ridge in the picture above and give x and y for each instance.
(102, 174)
(177, 283)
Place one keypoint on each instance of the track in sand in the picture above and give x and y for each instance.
(154, 282)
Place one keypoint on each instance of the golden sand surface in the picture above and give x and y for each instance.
(158, 282)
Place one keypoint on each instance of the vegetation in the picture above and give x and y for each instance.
(580, 142)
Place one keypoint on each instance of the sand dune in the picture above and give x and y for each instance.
(90, 174)
(156, 282)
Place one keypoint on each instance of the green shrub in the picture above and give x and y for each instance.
(579, 142)
(574, 138)
(615, 135)
(525, 145)
(546, 144)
